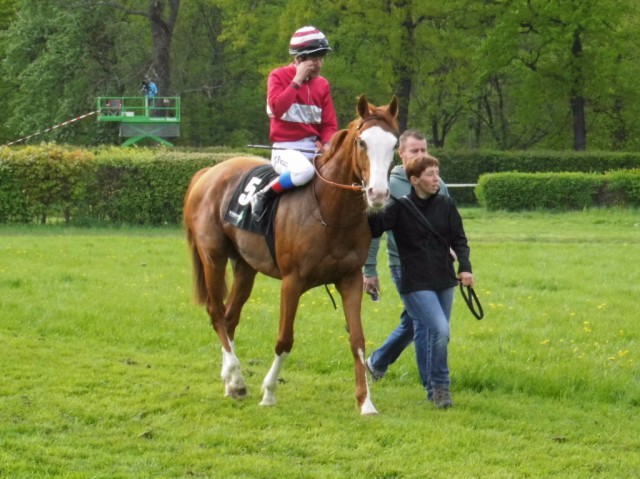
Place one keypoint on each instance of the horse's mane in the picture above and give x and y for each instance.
(336, 143)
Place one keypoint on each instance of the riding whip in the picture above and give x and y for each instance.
(267, 147)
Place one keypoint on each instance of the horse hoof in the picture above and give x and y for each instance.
(368, 409)
(268, 399)
(240, 393)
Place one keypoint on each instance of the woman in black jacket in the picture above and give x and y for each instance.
(428, 231)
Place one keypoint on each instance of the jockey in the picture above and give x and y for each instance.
(301, 113)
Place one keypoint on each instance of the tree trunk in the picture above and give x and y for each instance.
(579, 124)
(162, 34)
(577, 99)
(404, 96)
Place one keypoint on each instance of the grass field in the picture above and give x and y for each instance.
(110, 371)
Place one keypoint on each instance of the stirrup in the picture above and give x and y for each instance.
(258, 206)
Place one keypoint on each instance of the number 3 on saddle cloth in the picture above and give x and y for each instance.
(239, 212)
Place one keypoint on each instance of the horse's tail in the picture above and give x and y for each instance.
(199, 283)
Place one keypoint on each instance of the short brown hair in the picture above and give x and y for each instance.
(416, 166)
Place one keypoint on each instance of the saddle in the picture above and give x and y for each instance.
(239, 211)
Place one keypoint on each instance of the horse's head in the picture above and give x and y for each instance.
(376, 136)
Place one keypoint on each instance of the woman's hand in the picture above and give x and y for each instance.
(466, 279)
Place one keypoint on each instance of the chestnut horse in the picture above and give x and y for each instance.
(321, 236)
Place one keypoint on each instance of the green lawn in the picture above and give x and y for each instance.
(110, 371)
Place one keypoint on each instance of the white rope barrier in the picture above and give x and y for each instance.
(53, 127)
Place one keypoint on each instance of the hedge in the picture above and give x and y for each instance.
(134, 186)
(145, 186)
(36, 181)
(467, 166)
(558, 191)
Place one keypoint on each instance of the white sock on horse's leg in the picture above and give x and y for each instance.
(270, 383)
(231, 374)
(367, 407)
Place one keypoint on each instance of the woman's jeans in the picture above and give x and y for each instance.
(432, 310)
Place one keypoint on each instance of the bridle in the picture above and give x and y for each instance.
(353, 186)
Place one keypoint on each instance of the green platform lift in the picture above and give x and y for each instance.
(140, 117)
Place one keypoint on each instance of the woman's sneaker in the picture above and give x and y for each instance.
(442, 398)
(374, 375)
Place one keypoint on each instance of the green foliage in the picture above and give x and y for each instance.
(146, 188)
(485, 74)
(527, 191)
(558, 191)
(120, 185)
(624, 187)
(37, 182)
(466, 166)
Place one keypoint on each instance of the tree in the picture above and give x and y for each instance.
(54, 60)
(557, 52)
(7, 14)
(162, 24)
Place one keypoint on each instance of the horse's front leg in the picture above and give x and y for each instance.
(289, 300)
(350, 289)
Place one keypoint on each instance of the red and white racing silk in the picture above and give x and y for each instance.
(297, 113)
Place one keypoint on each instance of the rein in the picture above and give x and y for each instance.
(472, 301)
(352, 187)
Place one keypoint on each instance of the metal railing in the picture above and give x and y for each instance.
(139, 109)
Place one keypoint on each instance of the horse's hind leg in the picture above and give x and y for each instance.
(214, 273)
(243, 279)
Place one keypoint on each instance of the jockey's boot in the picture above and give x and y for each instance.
(260, 200)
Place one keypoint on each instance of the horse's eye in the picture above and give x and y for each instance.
(360, 142)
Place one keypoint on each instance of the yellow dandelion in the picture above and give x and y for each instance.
(622, 354)
(602, 306)
(545, 342)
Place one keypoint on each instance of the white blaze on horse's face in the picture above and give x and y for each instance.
(380, 146)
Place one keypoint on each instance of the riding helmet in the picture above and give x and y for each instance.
(308, 41)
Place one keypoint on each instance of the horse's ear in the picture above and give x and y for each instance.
(393, 107)
(363, 106)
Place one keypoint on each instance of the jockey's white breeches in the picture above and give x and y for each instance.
(295, 162)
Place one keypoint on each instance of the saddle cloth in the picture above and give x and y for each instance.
(239, 211)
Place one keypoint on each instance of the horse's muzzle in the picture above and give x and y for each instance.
(377, 198)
